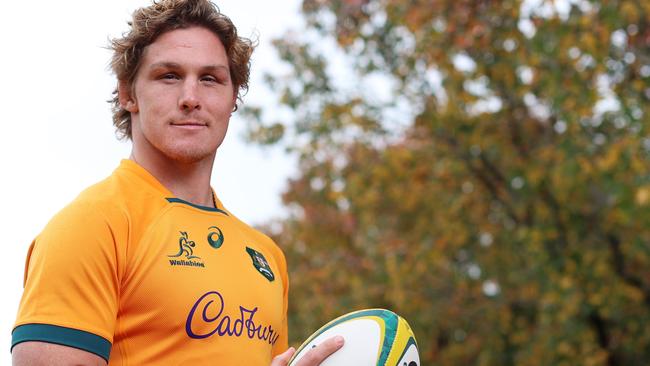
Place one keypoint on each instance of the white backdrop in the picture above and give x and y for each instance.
(58, 136)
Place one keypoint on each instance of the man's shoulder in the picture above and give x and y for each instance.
(98, 203)
(115, 200)
(103, 197)
(93, 217)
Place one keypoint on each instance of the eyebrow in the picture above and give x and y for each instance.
(174, 66)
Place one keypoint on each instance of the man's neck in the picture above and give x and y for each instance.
(187, 181)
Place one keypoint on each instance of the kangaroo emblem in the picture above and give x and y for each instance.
(185, 247)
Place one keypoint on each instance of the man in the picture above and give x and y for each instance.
(147, 267)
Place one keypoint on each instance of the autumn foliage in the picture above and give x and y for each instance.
(480, 167)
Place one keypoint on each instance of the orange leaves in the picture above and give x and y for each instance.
(513, 234)
(611, 156)
(631, 12)
(417, 16)
(642, 196)
(588, 41)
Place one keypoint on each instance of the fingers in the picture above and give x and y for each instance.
(283, 358)
(316, 355)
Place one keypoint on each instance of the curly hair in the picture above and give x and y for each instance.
(149, 23)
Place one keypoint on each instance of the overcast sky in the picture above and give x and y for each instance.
(58, 136)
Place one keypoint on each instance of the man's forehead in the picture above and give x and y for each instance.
(180, 46)
(188, 38)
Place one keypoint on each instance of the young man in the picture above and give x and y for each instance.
(147, 267)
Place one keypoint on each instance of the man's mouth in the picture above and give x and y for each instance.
(189, 124)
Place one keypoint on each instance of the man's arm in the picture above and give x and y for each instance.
(71, 289)
(42, 354)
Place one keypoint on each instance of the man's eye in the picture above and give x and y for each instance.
(209, 79)
(169, 76)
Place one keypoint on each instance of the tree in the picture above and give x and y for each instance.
(480, 167)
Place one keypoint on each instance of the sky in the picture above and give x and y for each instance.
(58, 136)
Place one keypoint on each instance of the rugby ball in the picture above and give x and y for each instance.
(373, 337)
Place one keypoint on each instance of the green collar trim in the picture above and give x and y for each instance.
(204, 208)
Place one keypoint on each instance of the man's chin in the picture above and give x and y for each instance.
(190, 156)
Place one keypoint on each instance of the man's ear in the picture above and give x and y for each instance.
(127, 100)
(234, 101)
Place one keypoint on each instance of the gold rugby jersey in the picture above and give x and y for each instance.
(139, 277)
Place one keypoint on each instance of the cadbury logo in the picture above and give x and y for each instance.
(242, 325)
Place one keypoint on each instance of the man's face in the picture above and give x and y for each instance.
(182, 97)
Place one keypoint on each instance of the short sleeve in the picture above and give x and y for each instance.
(71, 283)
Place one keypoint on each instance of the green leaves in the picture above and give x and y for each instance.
(497, 199)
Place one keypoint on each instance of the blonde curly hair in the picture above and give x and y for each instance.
(150, 22)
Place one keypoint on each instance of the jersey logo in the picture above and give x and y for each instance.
(200, 325)
(186, 248)
(260, 263)
(218, 242)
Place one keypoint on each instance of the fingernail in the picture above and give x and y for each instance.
(339, 340)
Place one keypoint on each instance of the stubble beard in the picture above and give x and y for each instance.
(186, 153)
(178, 148)
(175, 150)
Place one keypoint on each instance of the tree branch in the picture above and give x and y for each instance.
(602, 333)
(489, 175)
(618, 261)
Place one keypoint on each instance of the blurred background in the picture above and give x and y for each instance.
(480, 167)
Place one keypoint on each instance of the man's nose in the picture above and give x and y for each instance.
(189, 100)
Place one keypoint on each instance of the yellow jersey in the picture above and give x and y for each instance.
(138, 277)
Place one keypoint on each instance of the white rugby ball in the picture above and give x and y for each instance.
(373, 337)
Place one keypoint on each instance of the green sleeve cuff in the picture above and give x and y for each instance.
(64, 336)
